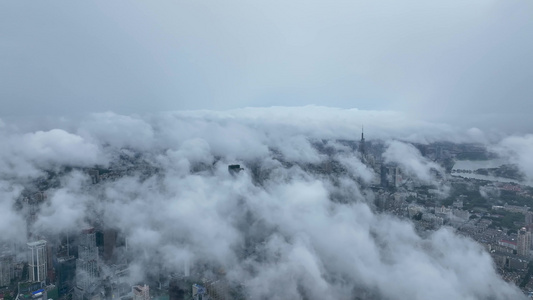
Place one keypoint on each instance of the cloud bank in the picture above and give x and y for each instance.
(299, 222)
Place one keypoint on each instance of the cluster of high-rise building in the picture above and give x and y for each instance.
(71, 265)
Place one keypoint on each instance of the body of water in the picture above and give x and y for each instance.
(479, 164)
(472, 165)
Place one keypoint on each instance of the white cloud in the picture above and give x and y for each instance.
(285, 235)
(411, 161)
(518, 150)
(25, 155)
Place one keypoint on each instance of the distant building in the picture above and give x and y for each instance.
(110, 243)
(529, 218)
(507, 244)
(454, 214)
(414, 209)
(37, 261)
(516, 209)
(512, 262)
(390, 176)
(87, 271)
(65, 273)
(217, 289)
(362, 146)
(199, 292)
(516, 263)
(437, 221)
(176, 289)
(95, 175)
(141, 292)
(442, 210)
(7, 269)
(523, 242)
(32, 204)
(458, 203)
(461, 214)
(234, 169)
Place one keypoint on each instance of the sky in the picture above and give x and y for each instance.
(457, 62)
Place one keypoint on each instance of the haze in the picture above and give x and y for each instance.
(461, 62)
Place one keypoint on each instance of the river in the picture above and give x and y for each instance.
(472, 165)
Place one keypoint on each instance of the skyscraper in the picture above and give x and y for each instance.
(65, 273)
(524, 242)
(176, 289)
(37, 260)
(110, 242)
(362, 145)
(6, 268)
(87, 262)
(529, 218)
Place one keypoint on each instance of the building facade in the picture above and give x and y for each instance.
(37, 261)
(87, 272)
(141, 292)
(523, 242)
(7, 271)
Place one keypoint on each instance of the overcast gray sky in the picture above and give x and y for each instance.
(442, 60)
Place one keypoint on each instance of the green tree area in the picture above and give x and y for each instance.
(513, 198)
(8, 296)
(507, 220)
(53, 294)
(472, 200)
(448, 163)
(475, 155)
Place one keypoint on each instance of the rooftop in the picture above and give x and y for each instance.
(37, 243)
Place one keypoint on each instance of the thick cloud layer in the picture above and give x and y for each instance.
(280, 228)
(411, 161)
(27, 154)
(518, 150)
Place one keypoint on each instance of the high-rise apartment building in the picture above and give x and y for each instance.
(110, 243)
(523, 242)
(6, 269)
(65, 274)
(87, 262)
(37, 261)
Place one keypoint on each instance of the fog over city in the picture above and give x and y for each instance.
(266, 150)
(315, 235)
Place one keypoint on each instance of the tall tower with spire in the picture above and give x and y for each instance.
(362, 149)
